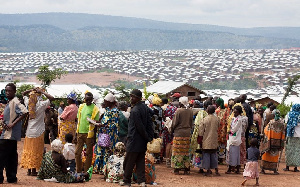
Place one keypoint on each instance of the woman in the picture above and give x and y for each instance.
(54, 165)
(109, 125)
(272, 143)
(223, 115)
(68, 118)
(34, 141)
(181, 129)
(195, 146)
(256, 129)
(292, 152)
(234, 141)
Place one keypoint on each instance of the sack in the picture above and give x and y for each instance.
(154, 146)
(103, 140)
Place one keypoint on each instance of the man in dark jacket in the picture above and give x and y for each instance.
(140, 132)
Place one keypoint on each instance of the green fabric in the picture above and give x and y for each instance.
(49, 169)
(123, 125)
(86, 112)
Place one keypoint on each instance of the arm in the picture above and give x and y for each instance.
(11, 125)
(174, 122)
(50, 97)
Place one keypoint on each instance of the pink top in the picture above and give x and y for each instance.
(70, 112)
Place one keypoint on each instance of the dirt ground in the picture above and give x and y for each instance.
(165, 177)
(98, 79)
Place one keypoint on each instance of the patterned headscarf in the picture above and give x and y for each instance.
(276, 113)
(293, 120)
(72, 96)
(3, 98)
(119, 149)
(220, 102)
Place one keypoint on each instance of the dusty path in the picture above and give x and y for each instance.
(99, 79)
(165, 177)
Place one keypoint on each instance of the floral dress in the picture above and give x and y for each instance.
(110, 120)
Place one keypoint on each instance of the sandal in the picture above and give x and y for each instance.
(296, 170)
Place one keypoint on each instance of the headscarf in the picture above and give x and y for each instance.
(3, 98)
(156, 100)
(293, 120)
(185, 101)
(276, 113)
(119, 149)
(110, 98)
(56, 145)
(72, 96)
(220, 102)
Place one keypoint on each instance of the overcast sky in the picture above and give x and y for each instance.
(236, 13)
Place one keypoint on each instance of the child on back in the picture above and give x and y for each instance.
(69, 152)
(251, 169)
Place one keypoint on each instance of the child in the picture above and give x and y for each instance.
(251, 169)
(69, 152)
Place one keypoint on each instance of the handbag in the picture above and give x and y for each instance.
(103, 140)
(154, 146)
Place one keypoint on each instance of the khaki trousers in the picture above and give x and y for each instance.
(81, 139)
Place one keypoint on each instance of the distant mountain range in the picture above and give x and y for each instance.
(90, 32)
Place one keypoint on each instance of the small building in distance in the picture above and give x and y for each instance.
(168, 88)
(264, 101)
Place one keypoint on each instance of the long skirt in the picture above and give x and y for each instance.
(243, 152)
(180, 153)
(65, 127)
(103, 153)
(233, 156)
(292, 151)
(270, 159)
(33, 150)
(251, 170)
(49, 169)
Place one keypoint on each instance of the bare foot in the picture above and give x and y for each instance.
(257, 184)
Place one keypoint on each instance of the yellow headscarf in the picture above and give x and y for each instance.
(156, 100)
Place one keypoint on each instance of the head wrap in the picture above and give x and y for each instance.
(276, 113)
(185, 101)
(119, 149)
(110, 98)
(72, 96)
(293, 120)
(3, 98)
(225, 105)
(156, 100)
(56, 145)
(177, 95)
(220, 102)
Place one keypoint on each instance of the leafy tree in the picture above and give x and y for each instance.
(291, 83)
(22, 88)
(124, 94)
(48, 76)
(284, 109)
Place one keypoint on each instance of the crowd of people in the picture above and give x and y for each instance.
(113, 139)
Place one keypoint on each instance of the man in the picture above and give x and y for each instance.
(140, 132)
(208, 131)
(85, 132)
(13, 113)
(249, 114)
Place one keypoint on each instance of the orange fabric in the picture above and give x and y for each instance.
(33, 150)
(268, 157)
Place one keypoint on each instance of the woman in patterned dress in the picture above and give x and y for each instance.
(68, 118)
(109, 124)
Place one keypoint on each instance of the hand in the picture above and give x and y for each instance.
(9, 126)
